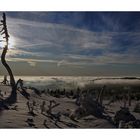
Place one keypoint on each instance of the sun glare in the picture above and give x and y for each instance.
(11, 43)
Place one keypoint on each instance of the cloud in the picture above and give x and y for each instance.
(31, 60)
(65, 45)
(31, 63)
(62, 62)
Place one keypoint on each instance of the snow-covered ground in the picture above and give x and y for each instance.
(18, 118)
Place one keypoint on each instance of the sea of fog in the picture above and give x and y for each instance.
(72, 82)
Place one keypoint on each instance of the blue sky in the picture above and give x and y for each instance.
(74, 43)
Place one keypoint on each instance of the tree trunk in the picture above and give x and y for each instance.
(13, 96)
(99, 98)
(12, 80)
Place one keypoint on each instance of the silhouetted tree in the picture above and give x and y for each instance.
(4, 31)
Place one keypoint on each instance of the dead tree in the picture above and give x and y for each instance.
(5, 81)
(100, 95)
(52, 105)
(4, 31)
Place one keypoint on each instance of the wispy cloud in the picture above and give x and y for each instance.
(31, 63)
(62, 45)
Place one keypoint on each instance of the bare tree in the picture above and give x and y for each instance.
(4, 31)
(100, 95)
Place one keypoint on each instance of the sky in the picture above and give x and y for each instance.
(73, 43)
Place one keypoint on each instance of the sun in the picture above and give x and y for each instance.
(11, 43)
